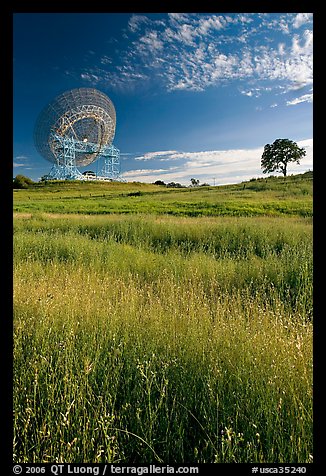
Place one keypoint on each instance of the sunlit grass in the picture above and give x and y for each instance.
(143, 339)
(273, 196)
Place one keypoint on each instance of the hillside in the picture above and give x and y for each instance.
(161, 337)
(264, 196)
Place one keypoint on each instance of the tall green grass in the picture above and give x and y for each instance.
(172, 340)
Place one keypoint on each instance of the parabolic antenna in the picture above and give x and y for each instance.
(75, 129)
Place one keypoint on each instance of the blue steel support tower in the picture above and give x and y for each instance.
(65, 166)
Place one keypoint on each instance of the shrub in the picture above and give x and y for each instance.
(20, 181)
(159, 182)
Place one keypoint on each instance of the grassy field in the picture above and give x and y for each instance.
(271, 196)
(155, 337)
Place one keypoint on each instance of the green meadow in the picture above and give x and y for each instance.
(270, 196)
(157, 325)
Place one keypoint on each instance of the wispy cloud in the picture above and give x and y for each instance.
(187, 51)
(302, 19)
(138, 173)
(106, 60)
(136, 21)
(21, 161)
(300, 99)
(156, 155)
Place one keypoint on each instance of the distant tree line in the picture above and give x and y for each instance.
(194, 183)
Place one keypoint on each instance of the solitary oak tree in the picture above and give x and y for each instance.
(276, 156)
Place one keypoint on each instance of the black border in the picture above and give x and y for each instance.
(6, 29)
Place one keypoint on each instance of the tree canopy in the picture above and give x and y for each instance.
(276, 156)
(194, 182)
(20, 181)
(159, 182)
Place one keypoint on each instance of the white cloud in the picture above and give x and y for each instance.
(218, 158)
(211, 65)
(192, 52)
(306, 47)
(145, 172)
(178, 17)
(303, 98)
(21, 161)
(301, 19)
(281, 49)
(184, 34)
(241, 18)
(154, 155)
(136, 21)
(248, 93)
(211, 23)
(295, 65)
(21, 157)
(92, 78)
(227, 166)
(150, 42)
(106, 60)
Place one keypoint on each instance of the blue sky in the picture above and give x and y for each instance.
(196, 95)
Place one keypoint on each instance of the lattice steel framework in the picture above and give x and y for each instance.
(111, 163)
(74, 130)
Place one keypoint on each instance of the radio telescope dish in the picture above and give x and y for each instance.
(74, 130)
